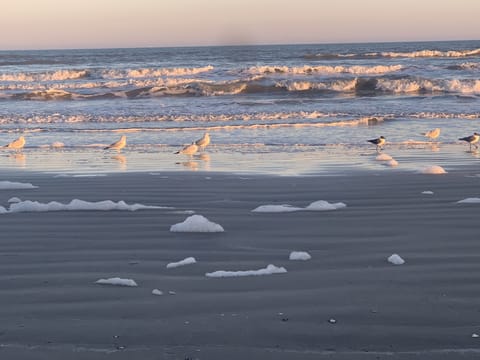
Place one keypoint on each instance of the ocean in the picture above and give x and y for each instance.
(253, 100)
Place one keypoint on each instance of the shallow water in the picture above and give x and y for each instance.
(293, 103)
(258, 159)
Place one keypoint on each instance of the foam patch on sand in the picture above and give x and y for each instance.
(186, 261)
(320, 205)
(12, 185)
(395, 259)
(433, 170)
(79, 175)
(299, 255)
(196, 223)
(387, 160)
(117, 282)
(276, 208)
(269, 270)
(392, 163)
(474, 200)
(76, 205)
(383, 157)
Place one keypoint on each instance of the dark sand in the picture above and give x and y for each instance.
(428, 308)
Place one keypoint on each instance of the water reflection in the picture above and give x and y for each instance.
(191, 165)
(434, 147)
(19, 158)
(122, 161)
(475, 153)
(198, 161)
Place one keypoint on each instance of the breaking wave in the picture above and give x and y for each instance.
(154, 72)
(244, 117)
(305, 70)
(254, 119)
(392, 54)
(357, 86)
(261, 120)
(465, 66)
(166, 122)
(105, 75)
(60, 75)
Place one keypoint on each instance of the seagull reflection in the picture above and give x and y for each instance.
(20, 159)
(192, 165)
(122, 161)
(204, 157)
(434, 147)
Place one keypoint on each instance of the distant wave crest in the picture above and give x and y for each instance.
(60, 75)
(392, 54)
(305, 70)
(155, 72)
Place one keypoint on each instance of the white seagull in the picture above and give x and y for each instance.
(472, 139)
(16, 144)
(204, 141)
(188, 150)
(378, 142)
(432, 134)
(117, 145)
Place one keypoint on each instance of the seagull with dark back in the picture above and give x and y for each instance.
(378, 142)
(472, 139)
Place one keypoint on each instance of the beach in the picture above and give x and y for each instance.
(346, 302)
(289, 234)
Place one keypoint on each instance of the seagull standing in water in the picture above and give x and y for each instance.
(16, 144)
(188, 150)
(378, 142)
(432, 134)
(204, 141)
(117, 145)
(472, 139)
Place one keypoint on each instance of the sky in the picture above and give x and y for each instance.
(53, 24)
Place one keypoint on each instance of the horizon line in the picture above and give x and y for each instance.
(235, 45)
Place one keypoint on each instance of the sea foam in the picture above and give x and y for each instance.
(269, 270)
(395, 259)
(433, 170)
(186, 261)
(12, 185)
(320, 205)
(117, 282)
(299, 255)
(196, 223)
(472, 200)
(76, 205)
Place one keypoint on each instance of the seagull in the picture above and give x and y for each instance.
(204, 141)
(472, 139)
(432, 134)
(16, 144)
(378, 142)
(188, 150)
(117, 145)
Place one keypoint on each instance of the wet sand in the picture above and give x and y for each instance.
(428, 308)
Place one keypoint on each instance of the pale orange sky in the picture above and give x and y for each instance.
(40, 24)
